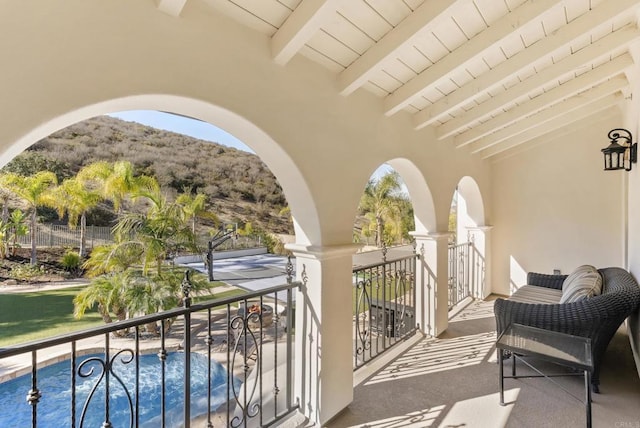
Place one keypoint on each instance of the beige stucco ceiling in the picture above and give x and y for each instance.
(488, 75)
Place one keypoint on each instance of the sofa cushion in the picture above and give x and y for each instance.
(535, 294)
(577, 273)
(582, 283)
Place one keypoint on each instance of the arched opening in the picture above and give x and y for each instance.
(303, 210)
(467, 244)
(386, 292)
(385, 214)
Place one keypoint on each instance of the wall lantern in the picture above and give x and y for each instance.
(622, 152)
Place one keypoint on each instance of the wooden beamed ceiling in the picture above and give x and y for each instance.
(487, 75)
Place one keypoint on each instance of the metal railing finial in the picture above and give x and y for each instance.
(289, 270)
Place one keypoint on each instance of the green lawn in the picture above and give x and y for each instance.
(375, 292)
(30, 316)
(221, 295)
(38, 315)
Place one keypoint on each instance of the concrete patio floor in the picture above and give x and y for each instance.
(452, 381)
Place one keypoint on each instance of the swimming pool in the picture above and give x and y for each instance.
(54, 383)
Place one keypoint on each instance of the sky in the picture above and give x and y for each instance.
(197, 129)
(182, 125)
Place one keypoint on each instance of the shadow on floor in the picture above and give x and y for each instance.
(452, 381)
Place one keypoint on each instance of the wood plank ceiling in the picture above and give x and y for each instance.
(489, 74)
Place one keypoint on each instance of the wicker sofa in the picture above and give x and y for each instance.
(597, 317)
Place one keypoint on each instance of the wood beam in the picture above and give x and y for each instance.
(566, 90)
(556, 41)
(171, 7)
(558, 121)
(424, 18)
(594, 52)
(474, 48)
(556, 136)
(299, 27)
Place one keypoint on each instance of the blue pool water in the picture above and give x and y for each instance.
(54, 383)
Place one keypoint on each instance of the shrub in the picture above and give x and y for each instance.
(273, 244)
(70, 261)
(26, 271)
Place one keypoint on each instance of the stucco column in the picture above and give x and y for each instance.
(324, 330)
(432, 272)
(480, 261)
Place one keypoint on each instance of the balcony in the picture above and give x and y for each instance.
(405, 379)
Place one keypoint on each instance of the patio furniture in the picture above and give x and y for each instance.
(560, 348)
(537, 304)
(257, 314)
(398, 318)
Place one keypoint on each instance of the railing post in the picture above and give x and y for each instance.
(385, 321)
(289, 330)
(186, 290)
(432, 306)
(480, 237)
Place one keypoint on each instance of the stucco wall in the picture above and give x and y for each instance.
(632, 114)
(109, 56)
(555, 208)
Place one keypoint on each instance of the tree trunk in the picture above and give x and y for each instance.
(14, 248)
(379, 231)
(83, 235)
(104, 314)
(152, 328)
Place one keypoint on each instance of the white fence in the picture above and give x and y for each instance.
(61, 235)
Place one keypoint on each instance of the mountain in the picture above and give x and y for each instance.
(239, 186)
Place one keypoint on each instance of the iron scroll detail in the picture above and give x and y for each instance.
(106, 366)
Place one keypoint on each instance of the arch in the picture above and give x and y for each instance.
(421, 198)
(470, 205)
(303, 208)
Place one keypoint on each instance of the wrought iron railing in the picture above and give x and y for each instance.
(466, 273)
(459, 273)
(384, 306)
(249, 336)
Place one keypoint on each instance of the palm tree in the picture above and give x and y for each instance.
(379, 203)
(107, 292)
(160, 232)
(5, 197)
(151, 236)
(115, 181)
(35, 191)
(74, 198)
(193, 206)
(116, 257)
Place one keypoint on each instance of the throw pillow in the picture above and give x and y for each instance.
(577, 273)
(583, 286)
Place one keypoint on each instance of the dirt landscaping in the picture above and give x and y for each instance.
(16, 270)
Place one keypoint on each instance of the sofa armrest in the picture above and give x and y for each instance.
(545, 280)
(570, 318)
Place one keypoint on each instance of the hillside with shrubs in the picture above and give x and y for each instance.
(239, 187)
